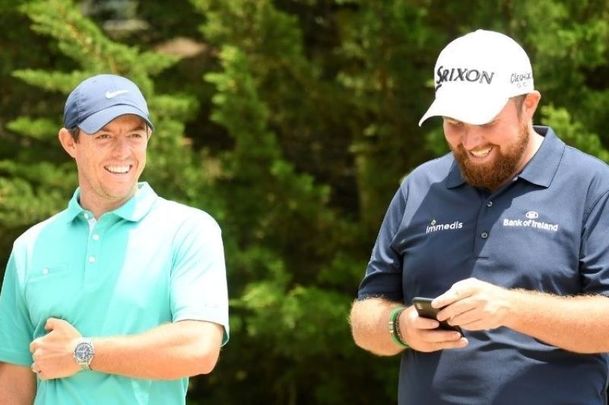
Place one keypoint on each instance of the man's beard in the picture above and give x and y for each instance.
(497, 172)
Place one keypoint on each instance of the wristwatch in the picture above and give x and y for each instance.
(83, 353)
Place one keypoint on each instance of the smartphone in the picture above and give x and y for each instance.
(425, 310)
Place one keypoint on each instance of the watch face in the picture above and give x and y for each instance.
(84, 351)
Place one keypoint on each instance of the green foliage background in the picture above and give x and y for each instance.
(292, 126)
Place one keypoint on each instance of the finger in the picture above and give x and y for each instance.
(455, 344)
(441, 336)
(459, 315)
(35, 368)
(459, 312)
(451, 296)
(450, 344)
(458, 291)
(34, 345)
(426, 323)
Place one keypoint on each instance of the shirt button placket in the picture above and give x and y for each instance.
(93, 247)
(92, 255)
(484, 235)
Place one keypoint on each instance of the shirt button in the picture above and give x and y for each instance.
(87, 216)
(484, 235)
(91, 259)
(95, 236)
(489, 204)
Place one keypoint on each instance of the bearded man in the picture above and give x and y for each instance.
(507, 234)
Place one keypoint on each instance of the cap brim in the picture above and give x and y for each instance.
(97, 121)
(477, 110)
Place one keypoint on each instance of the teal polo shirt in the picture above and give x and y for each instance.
(149, 262)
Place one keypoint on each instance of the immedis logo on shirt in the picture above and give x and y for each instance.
(530, 220)
(435, 227)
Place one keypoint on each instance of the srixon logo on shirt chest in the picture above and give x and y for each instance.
(457, 74)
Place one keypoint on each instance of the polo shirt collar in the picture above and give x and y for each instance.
(454, 178)
(133, 210)
(540, 170)
(543, 166)
(139, 205)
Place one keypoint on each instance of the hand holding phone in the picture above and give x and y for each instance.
(425, 310)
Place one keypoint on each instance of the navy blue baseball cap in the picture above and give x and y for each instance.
(99, 99)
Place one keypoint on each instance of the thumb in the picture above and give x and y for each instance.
(52, 323)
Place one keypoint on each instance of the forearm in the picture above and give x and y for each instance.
(370, 326)
(169, 351)
(579, 324)
(17, 384)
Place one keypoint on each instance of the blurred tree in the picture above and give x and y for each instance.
(295, 285)
(295, 138)
(119, 16)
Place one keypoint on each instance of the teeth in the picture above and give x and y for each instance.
(118, 169)
(481, 152)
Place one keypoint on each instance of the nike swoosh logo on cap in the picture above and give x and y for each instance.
(112, 94)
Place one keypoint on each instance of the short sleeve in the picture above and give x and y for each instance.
(16, 329)
(198, 278)
(594, 260)
(384, 272)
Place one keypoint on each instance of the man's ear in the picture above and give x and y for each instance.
(67, 142)
(530, 104)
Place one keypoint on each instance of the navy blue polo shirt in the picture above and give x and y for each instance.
(547, 230)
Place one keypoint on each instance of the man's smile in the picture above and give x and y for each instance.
(480, 153)
(118, 169)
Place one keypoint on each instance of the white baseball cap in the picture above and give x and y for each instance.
(476, 74)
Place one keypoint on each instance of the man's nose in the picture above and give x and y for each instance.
(471, 137)
(120, 146)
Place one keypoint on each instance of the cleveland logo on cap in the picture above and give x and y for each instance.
(521, 79)
(462, 75)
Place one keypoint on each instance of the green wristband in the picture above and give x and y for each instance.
(394, 326)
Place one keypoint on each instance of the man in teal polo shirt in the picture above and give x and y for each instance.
(122, 296)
